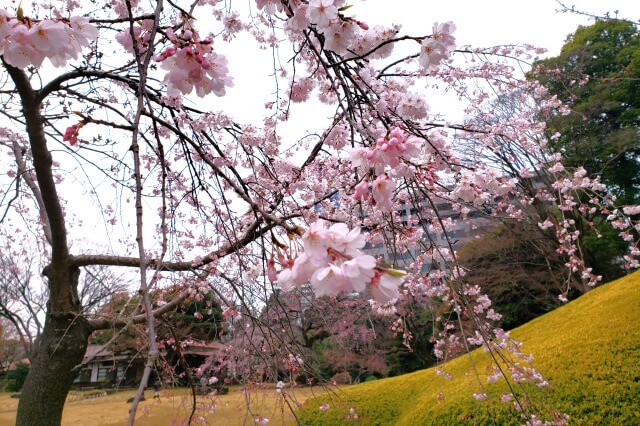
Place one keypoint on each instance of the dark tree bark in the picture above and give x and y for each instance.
(58, 350)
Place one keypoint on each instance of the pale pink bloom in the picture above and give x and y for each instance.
(382, 192)
(337, 136)
(298, 22)
(631, 210)
(359, 271)
(493, 315)
(299, 273)
(322, 12)
(366, 41)
(301, 89)
(121, 9)
(6, 25)
(464, 190)
(339, 36)
(412, 106)
(232, 23)
(48, 36)
(125, 40)
(361, 191)
(22, 55)
(432, 53)
(315, 240)
(579, 173)
(358, 157)
(526, 172)
(545, 225)
(194, 67)
(270, 6)
(556, 168)
(442, 33)
(336, 234)
(329, 281)
(346, 241)
(82, 31)
(384, 287)
(324, 407)
(354, 241)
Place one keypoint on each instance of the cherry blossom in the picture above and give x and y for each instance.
(72, 132)
(384, 287)
(438, 47)
(322, 12)
(24, 43)
(332, 262)
(382, 192)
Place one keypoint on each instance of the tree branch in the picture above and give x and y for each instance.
(42, 163)
(133, 262)
(104, 323)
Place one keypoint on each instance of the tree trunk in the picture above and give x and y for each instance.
(60, 348)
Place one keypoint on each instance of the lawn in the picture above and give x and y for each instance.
(589, 350)
(174, 407)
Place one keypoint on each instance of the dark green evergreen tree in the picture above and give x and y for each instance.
(597, 74)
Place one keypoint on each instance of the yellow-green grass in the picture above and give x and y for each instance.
(589, 350)
(174, 407)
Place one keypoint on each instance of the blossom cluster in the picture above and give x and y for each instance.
(482, 185)
(25, 42)
(189, 60)
(349, 37)
(332, 261)
(439, 46)
(386, 159)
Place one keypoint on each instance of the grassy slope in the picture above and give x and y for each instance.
(588, 349)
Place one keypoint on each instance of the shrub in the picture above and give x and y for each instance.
(343, 378)
(15, 378)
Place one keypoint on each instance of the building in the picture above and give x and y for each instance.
(475, 224)
(105, 368)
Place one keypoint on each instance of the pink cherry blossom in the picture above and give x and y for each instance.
(301, 89)
(315, 240)
(48, 36)
(385, 287)
(22, 45)
(432, 53)
(329, 281)
(382, 192)
(72, 133)
(361, 191)
(322, 12)
(442, 33)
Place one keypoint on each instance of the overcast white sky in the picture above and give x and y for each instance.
(479, 24)
(490, 22)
